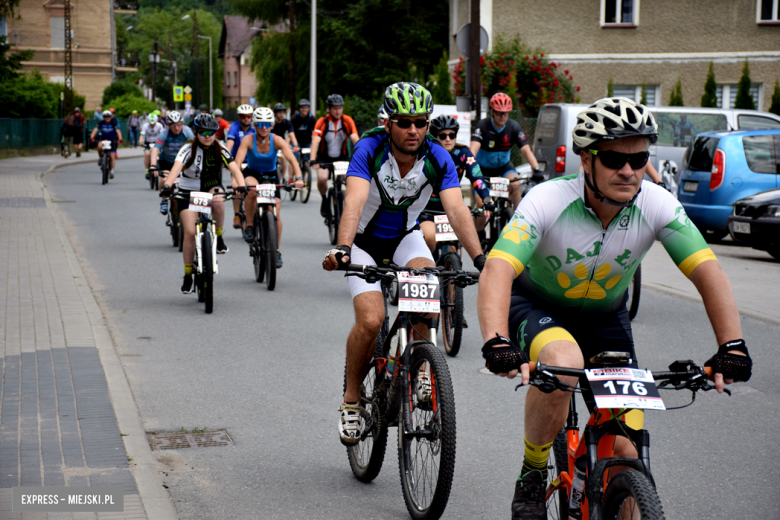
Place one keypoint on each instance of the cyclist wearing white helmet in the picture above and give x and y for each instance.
(150, 131)
(259, 149)
(236, 133)
(167, 147)
(381, 116)
(109, 130)
(554, 288)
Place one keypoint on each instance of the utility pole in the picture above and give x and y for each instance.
(475, 59)
(154, 58)
(68, 61)
(292, 55)
(196, 56)
(313, 66)
(113, 43)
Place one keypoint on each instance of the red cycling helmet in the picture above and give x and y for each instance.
(501, 103)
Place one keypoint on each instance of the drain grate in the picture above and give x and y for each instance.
(180, 440)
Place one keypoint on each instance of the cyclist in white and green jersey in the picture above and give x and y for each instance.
(554, 285)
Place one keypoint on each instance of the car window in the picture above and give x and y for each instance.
(702, 153)
(547, 126)
(757, 123)
(760, 153)
(679, 128)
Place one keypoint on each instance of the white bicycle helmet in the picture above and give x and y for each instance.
(217, 112)
(153, 119)
(174, 117)
(107, 113)
(244, 110)
(613, 118)
(263, 115)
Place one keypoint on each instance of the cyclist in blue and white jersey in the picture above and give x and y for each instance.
(392, 174)
(168, 144)
(109, 130)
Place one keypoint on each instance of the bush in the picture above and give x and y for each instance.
(360, 109)
(710, 96)
(744, 99)
(118, 89)
(774, 107)
(31, 96)
(440, 83)
(676, 97)
(125, 105)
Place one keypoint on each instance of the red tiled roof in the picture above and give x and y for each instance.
(237, 33)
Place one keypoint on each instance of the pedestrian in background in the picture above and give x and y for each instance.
(98, 115)
(66, 136)
(78, 130)
(133, 127)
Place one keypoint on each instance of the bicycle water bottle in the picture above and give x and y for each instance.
(391, 356)
(577, 485)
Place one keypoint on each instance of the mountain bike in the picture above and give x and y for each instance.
(154, 180)
(335, 196)
(408, 385)
(265, 243)
(303, 162)
(173, 222)
(105, 159)
(499, 192)
(581, 482)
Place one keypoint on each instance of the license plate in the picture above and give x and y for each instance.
(624, 388)
(741, 227)
(418, 293)
(690, 186)
(444, 231)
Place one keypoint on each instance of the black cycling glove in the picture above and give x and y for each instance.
(240, 190)
(340, 252)
(152, 168)
(479, 262)
(489, 205)
(732, 366)
(501, 360)
(537, 176)
(166, 191)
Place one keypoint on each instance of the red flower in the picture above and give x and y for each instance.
(566, 71)
(578, 88)
(512, 62)
(482, 60)
(542, 55)
(503, 54)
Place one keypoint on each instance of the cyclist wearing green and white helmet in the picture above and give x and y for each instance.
(149, 133)
(554, 286)
(393, 172)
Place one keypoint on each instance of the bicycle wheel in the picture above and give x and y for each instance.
(208, 271)
(155, 182)
(104, 167)
(558, 462)
(630, 494)
(426, 453)
(392, 296)
(634, 290)
(269, 231)
(173, 229)
(180, 231)
(451, 308)
(306, 172)
(337, 203)
(256, 250)
(331, 220)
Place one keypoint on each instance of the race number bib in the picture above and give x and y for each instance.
(499, 187)
(340, 167)
(106, 145)
(305, 150)
(624, 388)
(418, 293)
(201, 202)
(444, 232)
(266, 194)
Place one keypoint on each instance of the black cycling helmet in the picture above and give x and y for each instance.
(205, 122)
(304, 103)
(203, 108)
(334, 100)
(279, 107)
(444, 122)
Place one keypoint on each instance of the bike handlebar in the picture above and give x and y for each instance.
(658, 375)
(374, 273)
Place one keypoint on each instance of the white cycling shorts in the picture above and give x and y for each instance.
(412, 246)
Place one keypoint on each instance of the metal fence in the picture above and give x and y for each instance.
(39, 133)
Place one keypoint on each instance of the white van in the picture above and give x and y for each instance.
(677, 126)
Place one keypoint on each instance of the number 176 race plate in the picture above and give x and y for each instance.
(624, 388)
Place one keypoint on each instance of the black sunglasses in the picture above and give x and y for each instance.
(616, 160)
(406, 123)
(443, 136)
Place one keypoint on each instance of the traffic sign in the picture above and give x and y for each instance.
(178, 94)
(187, 97)
(187, 90)
(463, 40)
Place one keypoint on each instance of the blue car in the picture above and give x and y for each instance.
(722, 167)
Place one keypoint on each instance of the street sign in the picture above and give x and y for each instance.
(187, 97)
(178, 94)
(463, 40)
(188, 90)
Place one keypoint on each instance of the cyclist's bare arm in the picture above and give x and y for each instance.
(175, 171)
(315, 146)
(230, 142)
(235, 172)
(459, 216)
(243, 149)
(354, 201)
(155, 154)
(287, 153)
(529, 156)
(652, 173)
(475, 146)
(354, 138)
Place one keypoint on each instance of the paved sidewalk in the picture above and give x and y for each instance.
(754, 277)
(64, 395)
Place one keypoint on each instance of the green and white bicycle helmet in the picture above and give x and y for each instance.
(613, 118)
(407, 99)
(152, 119)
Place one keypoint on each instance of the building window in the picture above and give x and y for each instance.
(635, 92)
(619, 13)
(57, 32)
(227, 81)
(235, 78)
(768, 12)
(727, 95)
(3, 27)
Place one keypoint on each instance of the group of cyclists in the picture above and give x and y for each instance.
(553, 287)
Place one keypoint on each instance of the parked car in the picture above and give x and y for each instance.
(677, 128)
(756, 221)
(723, 167)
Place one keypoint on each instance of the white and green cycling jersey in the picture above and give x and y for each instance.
(561, 252)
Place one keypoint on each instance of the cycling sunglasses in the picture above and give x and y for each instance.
(264, 125)
(443, 136)
(406, 123)
(207, 133)
(616, 160)
(245, 116)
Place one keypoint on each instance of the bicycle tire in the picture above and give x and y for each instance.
(208, 271)
(306, 173)
(269, 227)
(174, 229)
(438, 416)
(451, 308)
(156, 181)
(180, 229)
(634, 292)
(104, 167)
(558, 462)
(632, 489)
(151, 180)
(258, 258)
(331, 218)
(337, 203)
(392, 296)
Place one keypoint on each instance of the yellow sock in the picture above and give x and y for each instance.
(187, 268)
(535, 458)
(219, 231)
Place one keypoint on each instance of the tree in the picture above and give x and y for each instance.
(643, 99)
(11, 63)
(710, 97)
(440, 83)
(744, 99)
(8, 7)
(774, 107)
(610, 88)
(118, 89)
(676, 97)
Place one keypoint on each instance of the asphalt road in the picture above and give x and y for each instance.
(268, 367)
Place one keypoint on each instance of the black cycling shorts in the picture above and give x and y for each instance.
(263, 178)
(497, 172)
(164, 166)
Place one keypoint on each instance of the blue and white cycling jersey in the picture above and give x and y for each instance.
(170, 144)
(237, 134)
